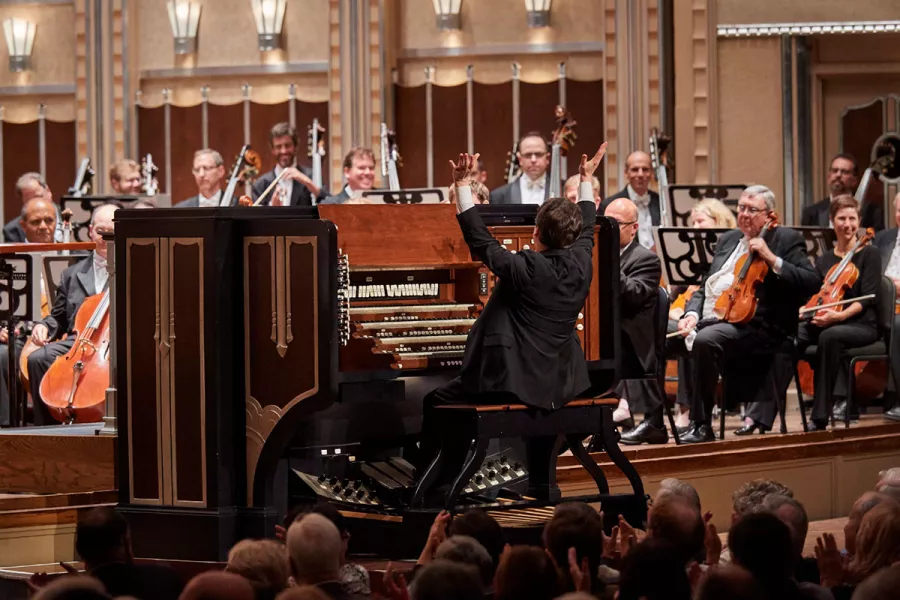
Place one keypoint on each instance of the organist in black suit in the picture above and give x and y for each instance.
(888, 244)
(533, 185)
(296, 187)
(523, 348)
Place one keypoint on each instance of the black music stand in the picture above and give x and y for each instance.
(685, 253)
(18, 279)
(818, 240)
(683, 198)
(410, 196)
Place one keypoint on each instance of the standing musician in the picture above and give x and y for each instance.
(843, 176)
(85, 278)
(359, 173)
(533, 185)
(296, 187)
(523, 348)
(125, 178)
(38, 221)
(209, 174)
(790, 280)
(888, 244)
(638, 172)
(28, 186)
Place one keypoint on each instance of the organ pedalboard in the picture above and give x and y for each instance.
(390, 483)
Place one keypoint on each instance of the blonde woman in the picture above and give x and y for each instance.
(711, 213)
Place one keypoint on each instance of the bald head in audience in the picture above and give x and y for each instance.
(677, 487)
(677, 520)
(72, 588)
(314, 548)
(217, 585)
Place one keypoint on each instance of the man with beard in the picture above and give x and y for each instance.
(842, 179)
(296, 187)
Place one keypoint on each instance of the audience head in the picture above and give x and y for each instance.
(144, 204)
(125, 178)
(572, 186)
(625, 213)
(754, 207)
(680, 488)
(638, 172)
(533, 155)
(860, 509)
(730, 583)
(750, 496)
(712, 213)
(209, 171)
(889, 480)
(466, 550)
(314, 548)
(303, 592)
(32, 185)
(574, 525)
(477, 524)
(654, 570)
(216, 585)
(359, 168)
(877, 542)
(72, 588)
(792, 514)
(334, 515)
(761, 543)
(842, 176)
(446, 580)
(283, 141)
(38, 221)
(883, 585)
(676, 520)
(526, 572)
(263, 563)
(558, 223)
(101, 537)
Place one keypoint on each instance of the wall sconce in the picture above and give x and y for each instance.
(184, 17)
(538, 12)
(19, 41)
(269, 16)
(447, 13)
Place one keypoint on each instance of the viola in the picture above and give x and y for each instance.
(680, 302)
(738, 303)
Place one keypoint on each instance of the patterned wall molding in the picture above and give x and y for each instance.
(778, 29)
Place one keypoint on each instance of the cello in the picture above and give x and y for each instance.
(738, 303)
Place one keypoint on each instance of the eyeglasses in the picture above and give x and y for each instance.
(624, 223)
(534, 155)
(750, 210)
(203, 169)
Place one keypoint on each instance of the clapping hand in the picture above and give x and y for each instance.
(395, 590)
(831, 563)
(581, 574)
(462, 171)
(587, 167)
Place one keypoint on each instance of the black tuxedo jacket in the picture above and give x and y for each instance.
(885, 242)
(511, 193)
(337, 198)
(817, 215)
(639, 275)
(654, 204)
(13, 232)
(77, 283)
(300, 194)
(524, 342)
(780, 296)
(192, 202)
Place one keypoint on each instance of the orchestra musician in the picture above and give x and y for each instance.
(523, 348)
(479, 173)
(638, 172)
(843, 176)
(359, 174)
(28, 186)
(85, 278)
(125, 178)
(639, 275)
(888, 244)
(296, 187)
(38, 221)
(790, 281)
(533, 185)
(572, 186)
(209, 174)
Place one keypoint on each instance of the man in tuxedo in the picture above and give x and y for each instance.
(639, 173)
(85, 278)
(296, 187)
(125, 178)
(29, 186)
(791, 280)
(209, 174)
(359, 173)
(639, 273)
(843, 176)
(888, 243)
(533, 185)
(523, 348)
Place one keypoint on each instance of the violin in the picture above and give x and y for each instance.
(738, 303)
(680, 302)
(840, 278)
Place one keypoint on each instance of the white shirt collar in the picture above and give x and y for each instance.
(213, 201)
(634, 197)
(351, 193)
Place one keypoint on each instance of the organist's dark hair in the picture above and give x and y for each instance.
(558, 223)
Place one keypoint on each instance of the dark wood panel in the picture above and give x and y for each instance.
(226, 132)
(151, 128)
(52, 464)
(860, 128)
(20, 155)
(187, 138)
(449, 128)
(410, 109)
(493, 128)
(61, 148)
(262, 118)
(585, 102)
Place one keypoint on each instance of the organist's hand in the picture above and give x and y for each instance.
(687, 324)
(40, 335)
(587, 167)
(462, 171)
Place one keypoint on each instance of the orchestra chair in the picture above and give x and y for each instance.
(659, 341)
(876, 351)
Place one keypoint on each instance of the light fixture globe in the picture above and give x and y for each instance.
(447, 14)
(19, 35)
(269, 17)
(184, 18)
(538, 12)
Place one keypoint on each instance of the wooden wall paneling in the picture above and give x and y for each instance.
(411, 138)
(151, 139)
(860, 127)
(262, 118)
(493, 128)
(226, 132)
(449, 129)
(20, 155)
(585, 102)
(537, 101)
(306, 112)
(187, 138)
(60, 139)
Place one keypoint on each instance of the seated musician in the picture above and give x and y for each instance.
(790, 281)
(28, 186)
(533, 185)
(843, 176)
(359, 173)
(523, 348)
(125, 178)
(639, 172)
(85, 278)
(38, 221)
(480, 193)
(209, 174)
(888, 244)
(572, 186)
(296, 186)
(639, 274)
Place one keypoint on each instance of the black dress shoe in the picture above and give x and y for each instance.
(818, 425)
(645, 433)
(840, 409)
(684, 430)
(749, 429)
(697, 434)
(893, 414)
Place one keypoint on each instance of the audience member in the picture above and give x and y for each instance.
(681, 488)
(216, 585)
(751, 495)
(314, 546)
(478, 524)
(676, 520)
(883, 585)
(730, 583)
(73, 588)
(877, 542)
(525, 572)
(263, 563)
(860, 509)
(305, 592)
(445, 580)
(466, 550)
(889, 483)
(575, 525)
(662, 559)
(793, 514)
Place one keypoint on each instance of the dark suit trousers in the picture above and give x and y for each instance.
(891, 394)
(38, 364)
(4, 379)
